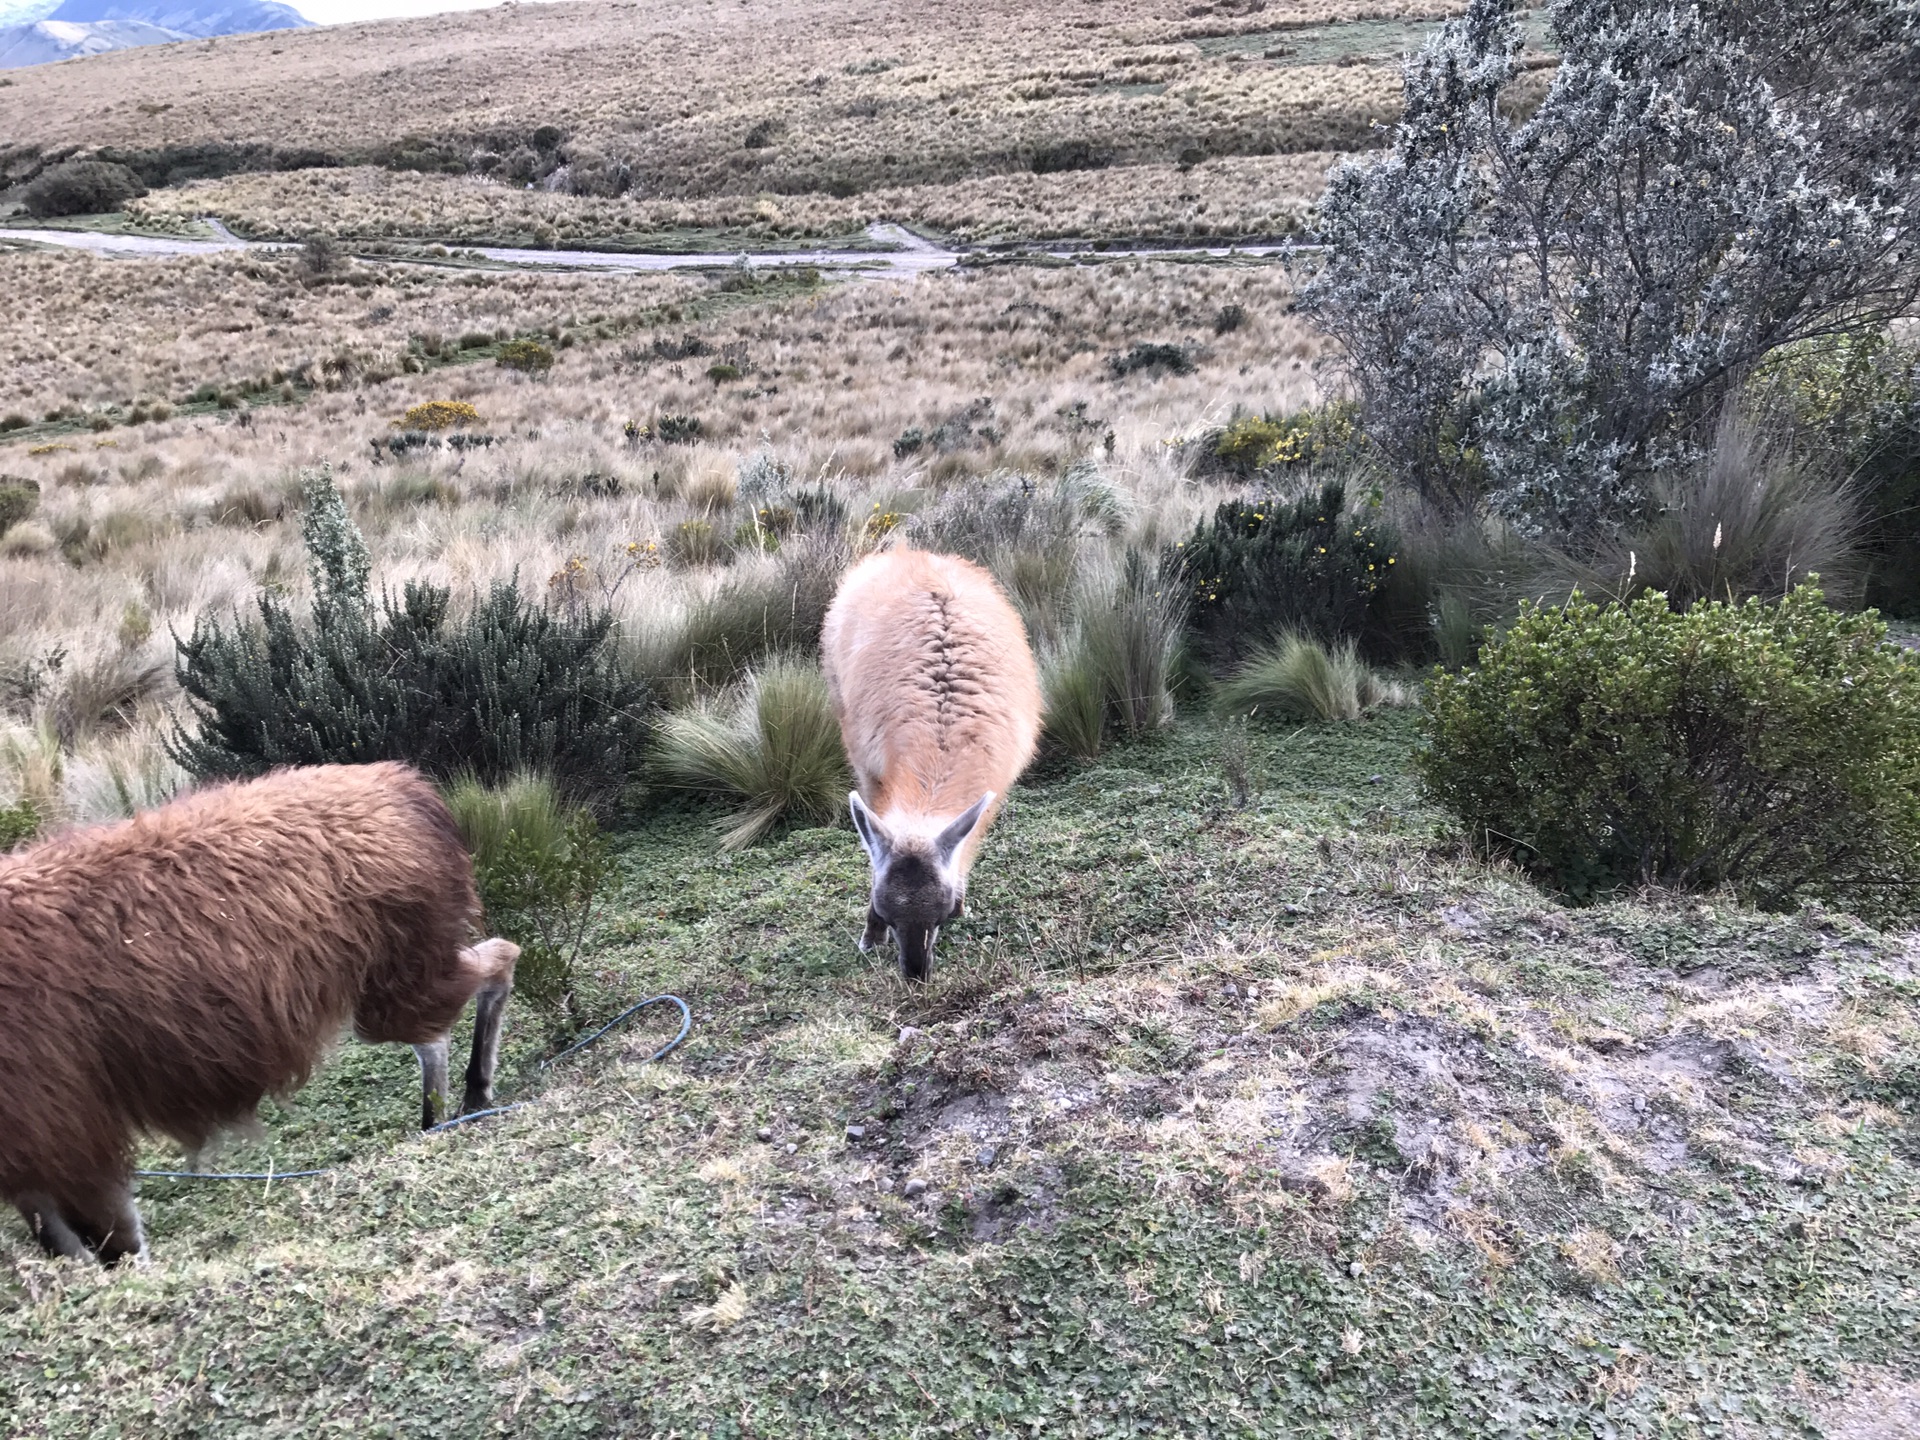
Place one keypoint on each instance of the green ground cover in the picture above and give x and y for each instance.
(1290, 1120)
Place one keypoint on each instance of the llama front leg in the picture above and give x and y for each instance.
(112, 1224)
(433, 1081)
(50, 1227)
(489, 1014)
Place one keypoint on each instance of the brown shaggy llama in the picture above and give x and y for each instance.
(938, 699)
(163, 974)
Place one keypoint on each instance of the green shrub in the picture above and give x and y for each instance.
(773, 746)
(19, 823)
(540, 865)
(506, 687)
(13, 421)
(678, 429)
(529, 357)
(82, 187)
(1151, 355)
(723, 372)
(18, 500)
(1262, 567)
(1773, 746)
(1249, 444)
(1300, 678)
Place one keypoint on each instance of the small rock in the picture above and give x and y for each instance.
(856, 1132)
(763, 1135)
(986, 1156)
(914, 1188)
(1354, 1269)
(791, 1147)
(1640, 1104)
(1231, 991)
(1376, 779)
(909, 1033)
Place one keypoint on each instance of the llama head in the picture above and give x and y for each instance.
(918, 884)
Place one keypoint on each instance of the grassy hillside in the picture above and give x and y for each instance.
(990, 119)
(1287, 1120)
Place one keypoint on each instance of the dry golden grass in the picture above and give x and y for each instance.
(951, 90)
(809, 115)
(86, 331)
(176, 518)
(1230, 197)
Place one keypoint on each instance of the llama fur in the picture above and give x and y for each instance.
(163, 974)
(938, 699)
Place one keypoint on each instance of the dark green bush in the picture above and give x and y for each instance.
(18, 500)
(678, 429)
(19, 823)
(504, 688)
(1859, 396)
(82, 187)
(1152, 355)
(1772, 746)
(1262, 567)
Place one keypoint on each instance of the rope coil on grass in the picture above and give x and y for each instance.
(686, 1028)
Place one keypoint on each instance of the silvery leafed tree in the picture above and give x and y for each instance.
(1537, 313)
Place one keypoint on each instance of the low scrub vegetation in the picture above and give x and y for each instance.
(503, 688)
(1769, 745)
(771, 746)
(1267, 565)
(81, 187)
(439, 415)
(543, 868)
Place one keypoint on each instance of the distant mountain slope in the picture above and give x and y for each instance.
(188, 17)
(25, 12)
(45, 41)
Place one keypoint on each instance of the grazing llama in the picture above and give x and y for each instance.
(163, 974)
(939, 706)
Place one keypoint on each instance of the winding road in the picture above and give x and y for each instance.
(909, 255)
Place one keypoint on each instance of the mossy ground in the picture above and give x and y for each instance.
(1291, 1120)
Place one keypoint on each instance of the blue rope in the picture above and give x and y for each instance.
(686, 1028)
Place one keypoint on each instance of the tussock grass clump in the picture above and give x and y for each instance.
(541, 864)
(758, 610)
(1299, 677)
(774, 746)
(1749, 518)
(1114, 668)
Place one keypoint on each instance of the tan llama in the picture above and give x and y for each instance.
(939, 705)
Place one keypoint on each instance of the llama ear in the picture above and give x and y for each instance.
(873, 835)
(955, 834)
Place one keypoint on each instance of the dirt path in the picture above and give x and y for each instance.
(912, 255)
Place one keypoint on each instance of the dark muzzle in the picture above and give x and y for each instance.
(916, 949)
